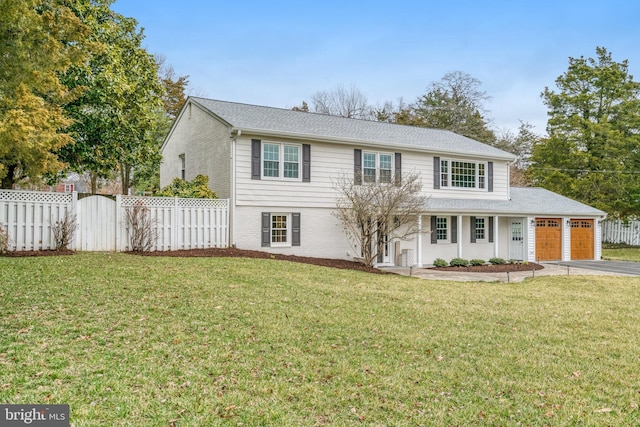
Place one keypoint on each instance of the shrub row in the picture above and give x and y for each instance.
(461, 262)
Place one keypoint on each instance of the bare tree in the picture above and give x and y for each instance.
(64, 230)
(143, 233)
(346, 102)
(374, 214)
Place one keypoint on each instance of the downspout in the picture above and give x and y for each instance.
(235, 133)
(419, 242)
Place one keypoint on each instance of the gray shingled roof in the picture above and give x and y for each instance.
(524, 201)
(268, 120)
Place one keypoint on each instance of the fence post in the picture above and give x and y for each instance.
(118, 224)
(174, 226)
(75, 216)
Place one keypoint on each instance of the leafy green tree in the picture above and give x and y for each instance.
(39, 40)
(196, 189)
(147, 173)
(454, 103)
(115, 118)
(592, 153)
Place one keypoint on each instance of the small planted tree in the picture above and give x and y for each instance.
(143, 233)
(373, 214)
(64, 230)
(4, 239)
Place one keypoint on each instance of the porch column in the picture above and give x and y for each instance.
(460, 236)
(495, 236)
(419, 243)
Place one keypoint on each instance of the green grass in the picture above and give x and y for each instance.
(146, 341)
(628, 253)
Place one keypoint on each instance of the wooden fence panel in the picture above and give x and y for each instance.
(29, 218)
(618, 231)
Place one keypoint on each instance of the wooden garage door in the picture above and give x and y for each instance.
(548, 239)
(581, 239)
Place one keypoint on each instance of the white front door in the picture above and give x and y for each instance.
(516, 245)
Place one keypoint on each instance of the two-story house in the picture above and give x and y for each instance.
(278, 168)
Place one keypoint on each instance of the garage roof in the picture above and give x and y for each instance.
(524, 201)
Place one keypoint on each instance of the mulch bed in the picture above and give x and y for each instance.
(324, 262)
(242, 253)
(49, 252)
(490, 268)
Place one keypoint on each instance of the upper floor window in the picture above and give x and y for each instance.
(463, 174)
(281, 160)
(377, 167)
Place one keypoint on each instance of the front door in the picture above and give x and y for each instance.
(516, 245)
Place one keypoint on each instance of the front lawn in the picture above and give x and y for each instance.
(621, 253)
(138, 341)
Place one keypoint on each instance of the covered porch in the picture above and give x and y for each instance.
(533, 225)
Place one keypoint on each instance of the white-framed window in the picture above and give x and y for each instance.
(377, 167)
(280, 229)
(442, 229)
(463, 174)
(480, 228)
(68, 188)
(281, 161)
(183, 169)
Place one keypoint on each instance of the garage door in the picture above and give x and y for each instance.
(548, 239)
(582, 239)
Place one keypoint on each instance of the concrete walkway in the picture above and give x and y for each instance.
(550, 269)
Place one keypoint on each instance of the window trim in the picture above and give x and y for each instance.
(287, 230)
(445, 175)
(292, 229)
(378, 169)
(183, 166)
(281, 161)
(447, 229)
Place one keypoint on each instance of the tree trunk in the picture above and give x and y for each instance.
(125, 177)
(8, 180)
(94, 182)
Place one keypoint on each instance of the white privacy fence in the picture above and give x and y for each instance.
(29, 217)
(618, 231)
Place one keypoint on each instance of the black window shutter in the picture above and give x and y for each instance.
(306, 163)
(398, 169)
(436, 173)
(454, 229)
(491, 229)
(357, 166)
(266, 229)
(472, 227)
(490, 176)
(434, 235)
(295, 229)
(256, 147)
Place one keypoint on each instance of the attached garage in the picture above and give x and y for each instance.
(582, 239)
(548, 239)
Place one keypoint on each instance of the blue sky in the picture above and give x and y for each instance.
(279, 53)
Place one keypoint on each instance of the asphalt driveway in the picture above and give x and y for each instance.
(618, 267)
